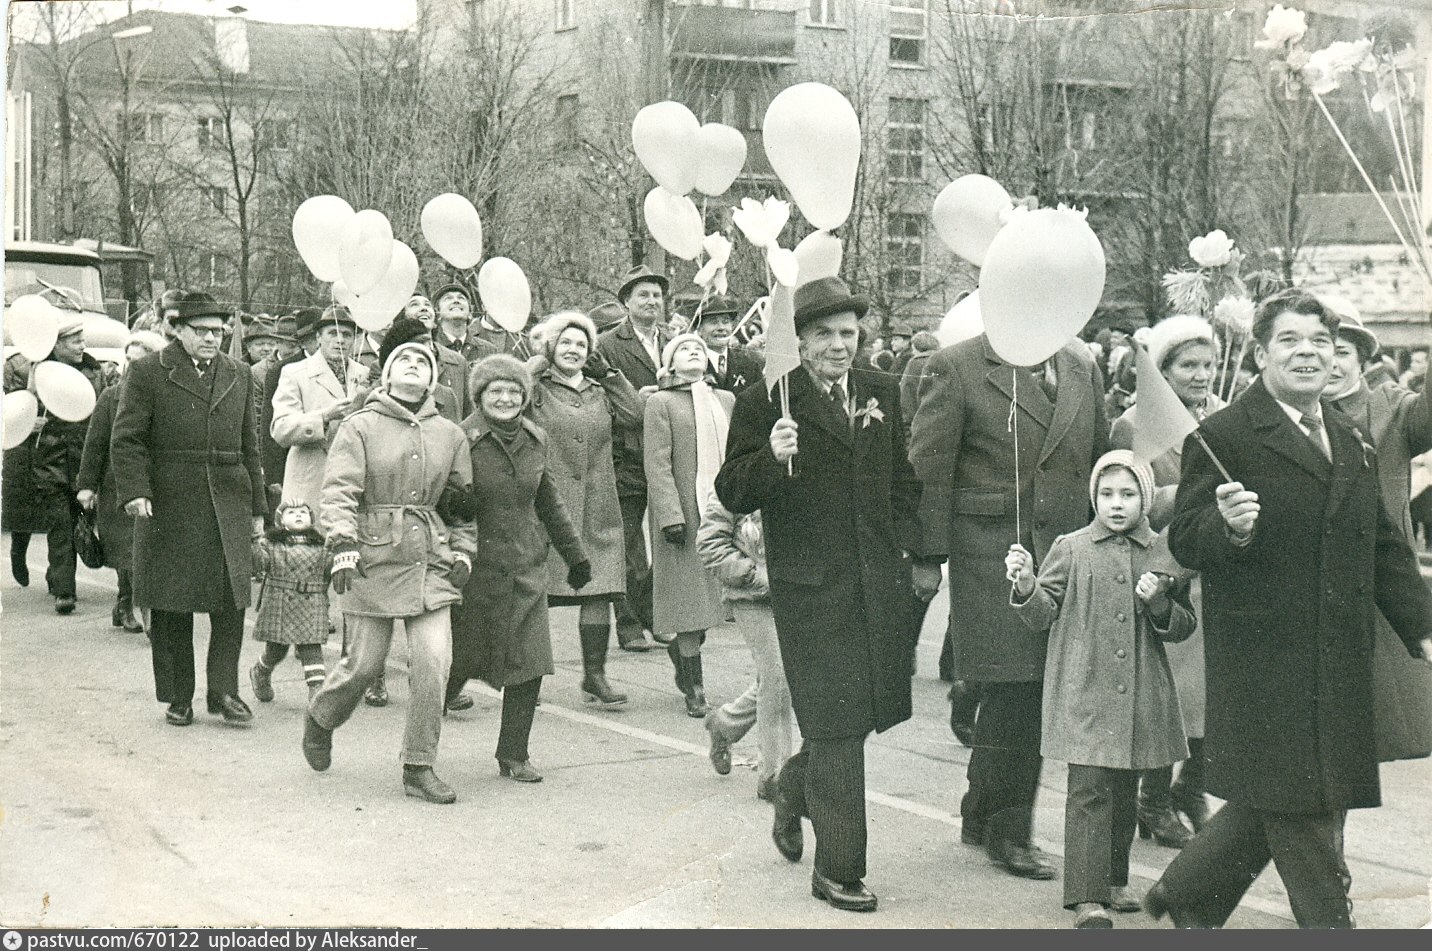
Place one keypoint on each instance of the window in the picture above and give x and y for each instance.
(905, 139)
(824, 13)
(905, 251)
(215, 196)
(908, 28)
(146, 127)
(566, 14)
(211, 133)
(569, 132)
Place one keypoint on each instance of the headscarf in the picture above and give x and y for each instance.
(1124, 459)
(712, 423)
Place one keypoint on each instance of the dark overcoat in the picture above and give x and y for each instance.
(1288, 618)
(743, 367)
(189, 444)
(963, 450)
(500, 631)
(840, 586)
(114, 524)
(624, 351)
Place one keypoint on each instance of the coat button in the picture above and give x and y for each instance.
(1120, 617)
(415, 455)
(1122, 689)
(1119, 653)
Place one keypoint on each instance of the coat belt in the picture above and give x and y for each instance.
(302, 587)
(426, 513)
(217, 457)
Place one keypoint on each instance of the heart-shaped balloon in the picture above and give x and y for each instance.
(721, 154)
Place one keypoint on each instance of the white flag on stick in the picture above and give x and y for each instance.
(1161, 421)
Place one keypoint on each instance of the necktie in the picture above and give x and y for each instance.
(1048, 382)
(721, 365)
(1314, 426)
(203, 367)
(837, 396)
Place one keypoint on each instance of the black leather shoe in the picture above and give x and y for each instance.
(20, 571)
(421, 782)
(231, 708)
(720, 751)
(786, 831)
(964, 704)
(317, 744)
(179, 714)
(518, 770)
(64, 605)
(461, 702)
(1159, 822)
(845, 896)
(1024, 861)
(1157, 904)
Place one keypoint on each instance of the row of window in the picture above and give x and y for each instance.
(148, 127)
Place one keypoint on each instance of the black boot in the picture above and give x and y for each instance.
(676, 666)
(595, 688)
(695, 692)
(1188, 796)
(19, 546)
(1156, 816)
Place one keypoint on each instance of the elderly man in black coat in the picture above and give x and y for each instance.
(1297, 553)
(841, 590)
(186, 464)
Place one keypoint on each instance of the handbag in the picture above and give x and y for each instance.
(1401, 698)
(87, 543)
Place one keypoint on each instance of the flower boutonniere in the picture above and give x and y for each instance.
(871, 410)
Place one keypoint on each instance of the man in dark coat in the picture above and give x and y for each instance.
(633, 348)
(963, 450)
(841, 590)
(1296, 554)
(733, 367)
(186, 464)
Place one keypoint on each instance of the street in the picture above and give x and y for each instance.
(113, 818)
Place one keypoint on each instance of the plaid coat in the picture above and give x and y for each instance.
(293, 600)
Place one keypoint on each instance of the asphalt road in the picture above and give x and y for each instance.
(113, 818)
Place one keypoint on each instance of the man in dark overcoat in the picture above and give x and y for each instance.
(841, 589)
(962, 445)
(633, 348)
(186, 462)
(1296, 553)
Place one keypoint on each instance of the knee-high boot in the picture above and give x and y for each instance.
(689, 670)
(595, 688)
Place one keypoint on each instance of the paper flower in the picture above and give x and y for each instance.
(1187, 291)
(1235, 314)
(871, 410)
(713, 272)
(762, 223)
(1214, 249)
(1284, 26)
(1329, 66)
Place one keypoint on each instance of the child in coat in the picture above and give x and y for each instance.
(294, 568)
(1110, 705)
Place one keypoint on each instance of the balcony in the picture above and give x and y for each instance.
(733, 35)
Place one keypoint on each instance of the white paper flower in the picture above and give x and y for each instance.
(762, 223)
(1328, 67)
(718, 252)
(1284, 25)
(1234, 313)
(1214, 249)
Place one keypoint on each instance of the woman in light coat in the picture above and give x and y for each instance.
(684, 443)
(395, 557)
(578, 400)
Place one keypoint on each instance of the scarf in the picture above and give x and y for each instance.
(411, 406)
(507, 432)
(712, 424)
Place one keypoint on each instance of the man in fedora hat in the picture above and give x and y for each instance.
(260, 339)
(186, 464)
(841, 588)
(633, 347)
(732, 367)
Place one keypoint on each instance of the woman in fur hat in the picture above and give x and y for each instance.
(500, 631)
(578, 400)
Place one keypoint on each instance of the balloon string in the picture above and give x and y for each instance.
(1013, 427)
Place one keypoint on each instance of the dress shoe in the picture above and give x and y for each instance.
(231, 708)
(179, 714)
(1024, 861)
(964, 704)
(317, 744)
(377, 694)
(20, 571)
(1161, 824)
(786, 831)
(519, 770)
(64, 604)
(1157, 904)
(852, 896)
(261, 679)
(461, 702)
(1092, 915)
(422, 783)
(596, 690)
(767, 789)
(634, 640)
(720, 751)
(1123, 899)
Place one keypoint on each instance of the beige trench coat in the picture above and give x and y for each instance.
(306, 390)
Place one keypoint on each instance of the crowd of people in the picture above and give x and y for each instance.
(1202, 623)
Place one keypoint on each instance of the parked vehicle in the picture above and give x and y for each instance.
(70, 278)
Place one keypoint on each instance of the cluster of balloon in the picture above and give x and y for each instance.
(376, 309)
(969, 212)
(33, 325)
(506, 295)
(372, 274)
(1042, 278)
(962, 322)
(681, 154)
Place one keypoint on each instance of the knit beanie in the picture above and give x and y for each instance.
(416, 348)
(668, 353)
(499, 366)
(403, 330)
(1171, 333)
(1124, 459)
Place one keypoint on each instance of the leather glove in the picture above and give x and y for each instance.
(579, 575)
(676, 534)
(461, 571)
(346, 567)
(457, 505)
(597, 367)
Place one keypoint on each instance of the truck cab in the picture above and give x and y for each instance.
(70, 278)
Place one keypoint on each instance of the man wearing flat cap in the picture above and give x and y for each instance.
(841, 587)
(633, 348)
(186, 463)
(733, 368)
(454, 316)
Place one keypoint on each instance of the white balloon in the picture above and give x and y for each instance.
(380, 306)
(454, 230)
(365, 250)
(65, 391)
(721, 154)
(819, 255)
(962, 322)
(318, 226)
(812, 137)
(33, 325)
(342, 295)
(674, 222)
(664, 136)
(505, 293)
(20, 408)
(968, 213)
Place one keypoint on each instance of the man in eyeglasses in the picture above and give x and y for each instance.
(186, 463)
